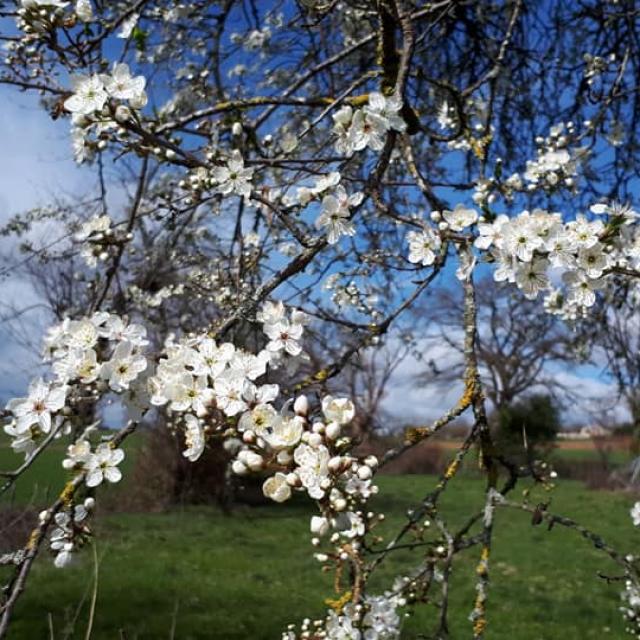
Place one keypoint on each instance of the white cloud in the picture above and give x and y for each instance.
(35, 165)
(590, 398)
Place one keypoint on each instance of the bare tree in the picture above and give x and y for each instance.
(368, 380)
(516, 341)
(612, 336)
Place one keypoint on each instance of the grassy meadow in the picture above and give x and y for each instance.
(194, 573)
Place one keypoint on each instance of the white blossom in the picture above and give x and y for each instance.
(89, 95)
(103, 465)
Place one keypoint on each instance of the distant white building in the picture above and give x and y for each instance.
(585, 433)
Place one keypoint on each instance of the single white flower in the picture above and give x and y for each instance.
(124, 367)
(189, 392)
(585, 233)
(312, 468)
(460, 218)
(42, 401)
(89, 95)
(228, 394)
(246, 365)
(339, 410)
(531, 277)
(103, 465)
(234, 177)
(423, 246)
(210, 358)
(284, 432)
(582, 288)
(593, 260)
(520, 238)
(121, 84)
(284, 335)
(259, 419)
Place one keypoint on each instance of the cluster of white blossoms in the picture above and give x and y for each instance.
(90, 93)
(306, 456)
(424, 246)
(92, 235)
(284, 331)
(91, 111)
(376, 618)
(89, 358)
(102, 351)
(35, 416)
(231, 177)
(556, 164)
(35, 17)
(99, 464)
(535, 249)
(631, 593)
(71, 531)
(198, 374)
(631, 607)
(528, 246)
(369, 126)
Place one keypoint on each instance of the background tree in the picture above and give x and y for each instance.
(515, 344)
(527, 428)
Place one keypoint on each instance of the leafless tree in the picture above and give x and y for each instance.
(515, 343)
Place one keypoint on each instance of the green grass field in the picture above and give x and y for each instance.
(248, 575)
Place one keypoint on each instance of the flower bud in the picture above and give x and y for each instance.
(314, 439)
(332, 430)
(239, 468)
(340, 504)
(301, 406)
(254, 461)
(364, 473)
(123, 114)
(371, 461)
(319, 525)
(284, 457)
(293, 480)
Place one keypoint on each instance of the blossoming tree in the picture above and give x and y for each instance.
(290, 166)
